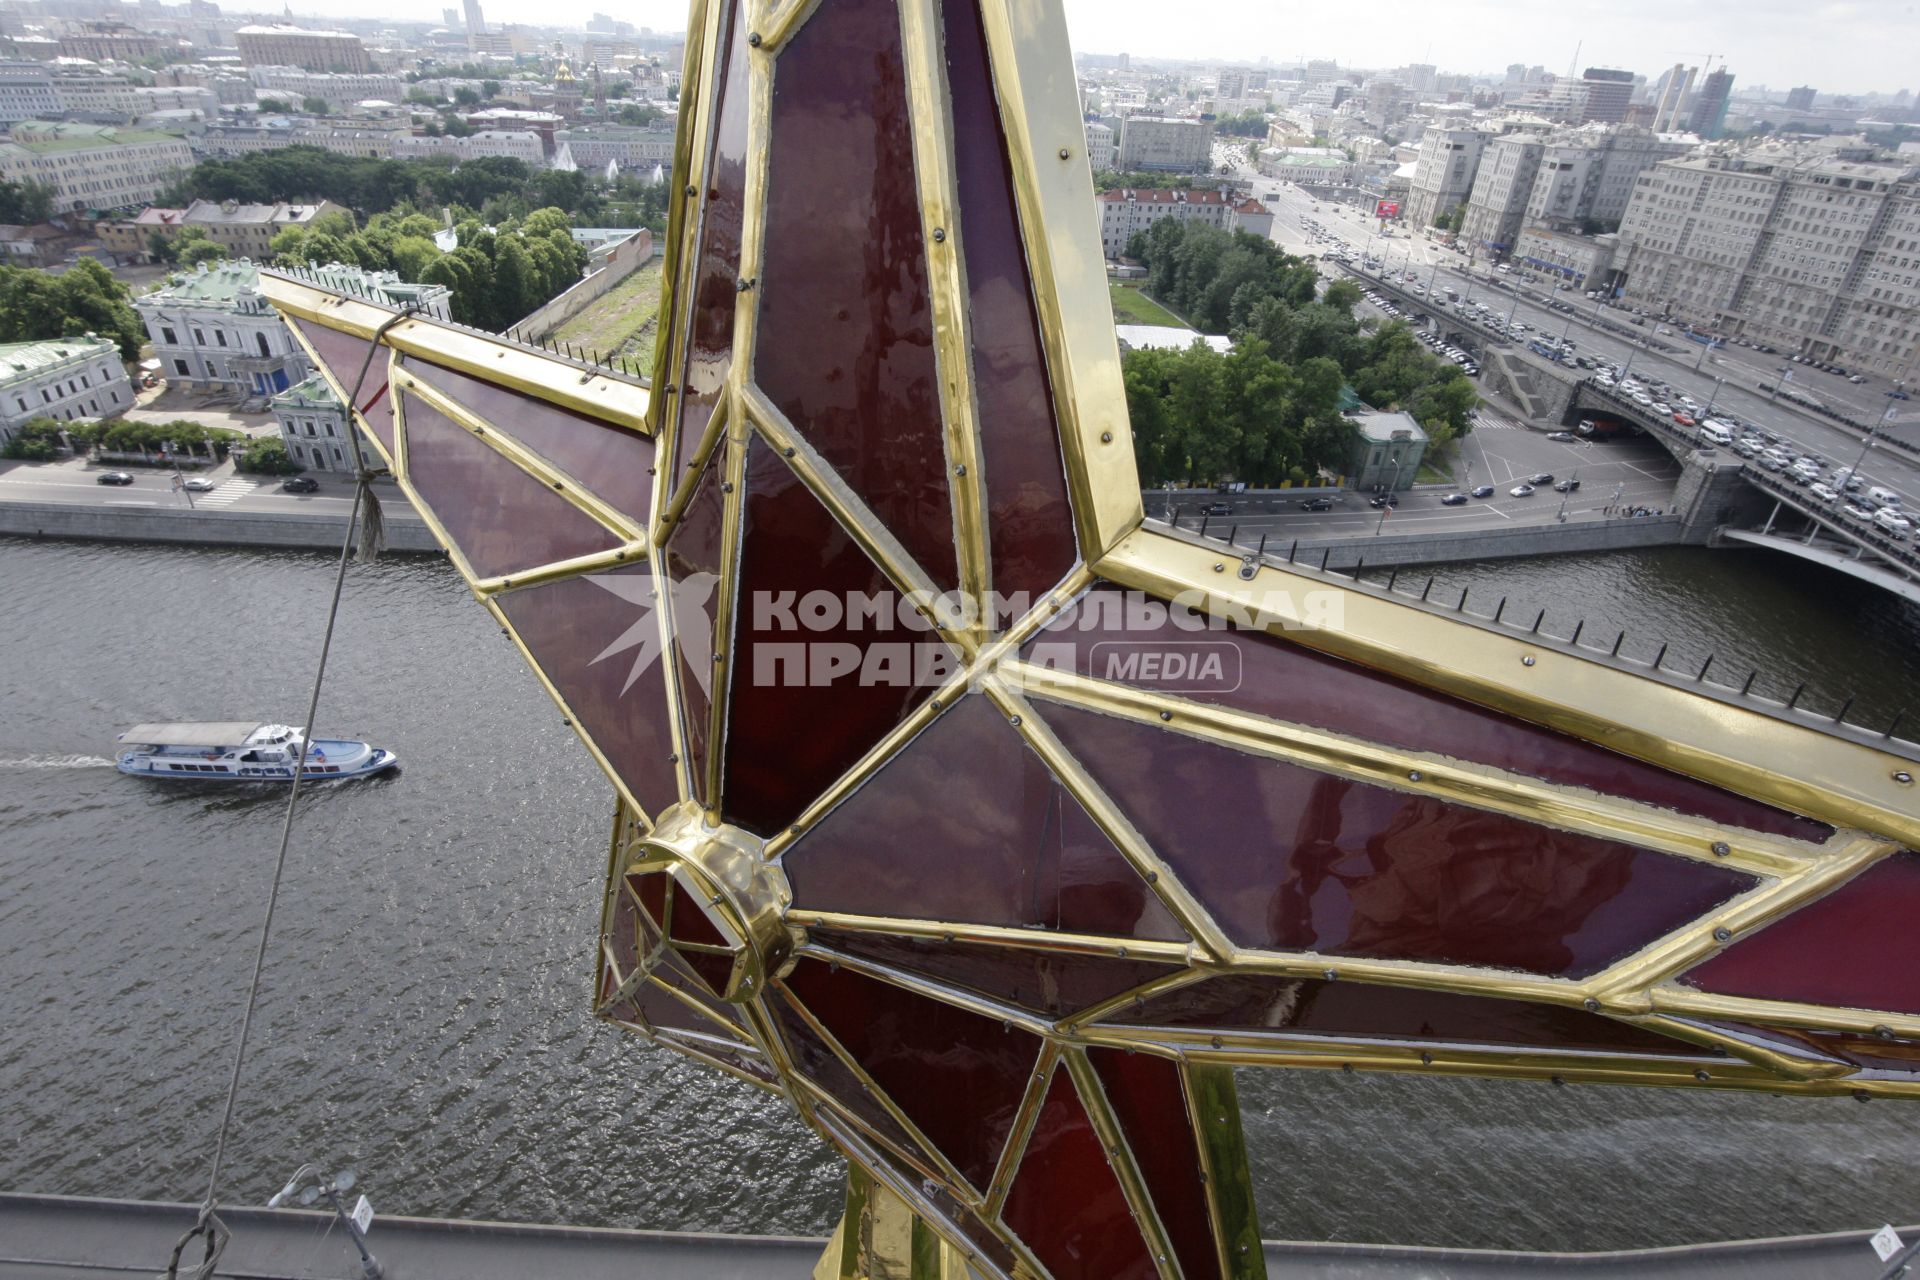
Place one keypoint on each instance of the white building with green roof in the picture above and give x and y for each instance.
(213, 329)
(314, 426)
(61, 378)
(94, 166)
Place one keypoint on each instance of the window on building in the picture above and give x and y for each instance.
(261, 338)
(45, 397)
(167, 335)
(199, 338)
(180, 367)
(220, 336)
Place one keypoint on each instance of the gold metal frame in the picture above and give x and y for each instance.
(1862, 790)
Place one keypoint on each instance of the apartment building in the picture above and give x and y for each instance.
(286, 46)
(247, 230)
(1817, 253)
(1157, 144)
(374, 139)
(111, 42)
(592, 146)
(524, 147)
(1131, 209)
(94, 166)
(1444, 173)
(1560, 180)
(212, 328)
(340, 90)
(62, 378)
(1101, 150)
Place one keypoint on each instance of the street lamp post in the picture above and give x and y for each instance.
(1707, 412)
(1854, 473)
(1387, 506)
(1782, 371)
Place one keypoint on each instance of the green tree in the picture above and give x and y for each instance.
(22, 204)
(466, 97)
(267, 455)
(193, 246)
(315, 106)
(274, 106)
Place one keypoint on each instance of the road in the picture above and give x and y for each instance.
(74, 482)
(1735, 379)
(1500, 452)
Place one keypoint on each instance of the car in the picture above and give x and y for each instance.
(1562, 437)
(113, 477)
(1855, 378)
(197, 484)
(1521, 491)
(299, 484)
(1854, 511)
(1566, 486)
(1892, 523)
(1454, 500)
(1823, 493)
(1899, 395)
(1544, 477)
(1482, 491)
(1684, 419)
(1383, 500)
(1316, 504)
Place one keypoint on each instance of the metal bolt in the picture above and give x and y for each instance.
(960, 470)
(692, 191)
(939, 235)
(1152, 876)
(1413, 775)
(1702, 1075)
(1166, 715)
(1884, 1033)
(787, 452)
(1559, 1082)
(674, 759)
(1331, 975)
(1015, 722)
(1106, 437)
(1861, 1095)
(1527, 661)
(1219, 568)
(1065, 154)
(1722, 934)
(1591, 1005)
(1721, 848)
(1902, 777)
(753, 38)
(1217, 1042)
(1426, 1057)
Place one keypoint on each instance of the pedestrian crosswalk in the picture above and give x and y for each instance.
(1486, 420)
(228, 493)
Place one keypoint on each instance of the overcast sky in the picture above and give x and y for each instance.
(1837, 46)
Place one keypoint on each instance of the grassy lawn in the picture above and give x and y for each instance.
(620, 322)
(1130, 306)
(1431, 474)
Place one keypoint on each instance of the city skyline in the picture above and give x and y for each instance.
(1860, 47)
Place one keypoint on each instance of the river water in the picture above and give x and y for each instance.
(423, 1012)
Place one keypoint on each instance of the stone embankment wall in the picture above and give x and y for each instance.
(203, 527)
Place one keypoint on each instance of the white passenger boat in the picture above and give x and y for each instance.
(243, 751)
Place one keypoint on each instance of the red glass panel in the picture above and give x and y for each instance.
(694, 556)
(1066, 1203)
(1047, 982)
(341, 355)
(1856, 948)
(501, 518)
(612, 463)
(626, 941)
(652, 888)
(674, 971)
(967, 823)
(847, 320)
(1148, 1100)
(1281, 679)
(813, 1059)
(1297, 860)
(1030, 527)
(715, 971)
(716, 267)
(597, 640)
(958, 1076)
(789, 738)
(661, 1010)
(1310, 1006)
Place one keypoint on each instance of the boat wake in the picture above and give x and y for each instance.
(55, 762)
